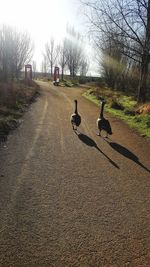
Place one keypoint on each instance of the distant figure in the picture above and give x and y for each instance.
(75, 118)
(102, 123)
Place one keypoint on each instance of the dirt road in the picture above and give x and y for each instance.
(73, 200)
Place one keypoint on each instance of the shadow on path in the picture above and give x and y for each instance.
(90, 142)
(127, 153)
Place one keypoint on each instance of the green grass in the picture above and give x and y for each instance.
(139, 122)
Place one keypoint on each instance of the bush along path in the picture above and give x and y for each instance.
(15, 98)
(123, 107)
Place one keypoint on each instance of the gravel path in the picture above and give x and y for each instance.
(73, 200)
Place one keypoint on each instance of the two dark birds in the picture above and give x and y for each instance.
(102, 123)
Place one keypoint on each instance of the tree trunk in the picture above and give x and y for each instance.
(62, 74)
(145, 61)
(51, 70)
(143, 80)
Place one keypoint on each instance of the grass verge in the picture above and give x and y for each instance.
(123, 107)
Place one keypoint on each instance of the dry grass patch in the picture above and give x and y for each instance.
(144, 109)
(15, 97)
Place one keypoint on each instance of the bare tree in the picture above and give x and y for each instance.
(44, 65)
(114, 64)
(84, 65)
(74, 51)
(131, 18)
(62, 59)
(15, 51)
(51, 52)
(24, 51)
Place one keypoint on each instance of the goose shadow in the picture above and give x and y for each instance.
(90, 142)
(126, 153)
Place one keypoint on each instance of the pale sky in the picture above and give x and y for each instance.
(43, 20)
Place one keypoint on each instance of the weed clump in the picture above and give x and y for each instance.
(115, 104)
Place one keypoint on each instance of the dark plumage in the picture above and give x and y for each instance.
(75, 118)
(102, 123)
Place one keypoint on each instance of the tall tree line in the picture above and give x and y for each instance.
(15, 50)
(69, 55)
(121, 31)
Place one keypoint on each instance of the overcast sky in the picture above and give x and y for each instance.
(43, 20)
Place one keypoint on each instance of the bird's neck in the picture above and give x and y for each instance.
(102, 110)
(76, 108)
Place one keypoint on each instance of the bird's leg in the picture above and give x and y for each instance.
(73, 127)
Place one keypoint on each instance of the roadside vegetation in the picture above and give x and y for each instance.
(123, 106)
(121, 36)
(15, 94)
(15, 97)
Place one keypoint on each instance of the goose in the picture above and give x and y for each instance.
(102, 123)
(75, 117)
